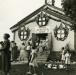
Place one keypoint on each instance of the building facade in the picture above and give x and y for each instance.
(48, 23)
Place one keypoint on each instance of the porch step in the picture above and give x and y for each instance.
(42, 57)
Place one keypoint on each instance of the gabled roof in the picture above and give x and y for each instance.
(29, 16)
(53, 10)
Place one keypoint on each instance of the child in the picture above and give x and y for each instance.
(33, 63)
(67, 57)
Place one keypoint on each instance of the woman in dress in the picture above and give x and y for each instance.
(22, 52)
(67, 57)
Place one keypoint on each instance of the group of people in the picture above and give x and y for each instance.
(26, 50)
(65, 56)
(31, 52)
(10, 48)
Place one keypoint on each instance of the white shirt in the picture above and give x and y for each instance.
(28, 47)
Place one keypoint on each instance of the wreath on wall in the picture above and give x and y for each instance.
(42, 19)
(61, 32)
(23, 33)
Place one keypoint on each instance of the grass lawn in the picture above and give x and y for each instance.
(22, 68)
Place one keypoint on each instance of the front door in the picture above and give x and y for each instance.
(36, 38)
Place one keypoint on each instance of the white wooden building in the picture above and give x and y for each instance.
(47, 22)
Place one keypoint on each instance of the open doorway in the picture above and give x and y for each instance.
(37, 38)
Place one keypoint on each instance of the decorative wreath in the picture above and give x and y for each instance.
(23, 33)
(61, 33)
(42, 19)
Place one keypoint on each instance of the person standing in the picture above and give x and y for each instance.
(67, 57)
(7, 54)
(12, 50)
(22, 52)
(63, 55)
(15, 52)
(41, 47)
(33, 62)
(28, 50)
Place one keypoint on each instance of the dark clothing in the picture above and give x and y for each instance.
(28, 55)
(6, 56)
(14, 53)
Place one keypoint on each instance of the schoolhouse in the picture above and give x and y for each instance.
(46, 23)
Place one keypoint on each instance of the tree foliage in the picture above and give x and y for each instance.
(70, 8)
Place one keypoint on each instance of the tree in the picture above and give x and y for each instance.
(69, 7)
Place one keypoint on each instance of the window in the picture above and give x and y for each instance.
(61, 32)
(42, 19)
(23, 33)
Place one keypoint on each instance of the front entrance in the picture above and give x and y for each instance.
(37, 38)
(41, 36)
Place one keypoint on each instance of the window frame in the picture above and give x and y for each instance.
(23, 35)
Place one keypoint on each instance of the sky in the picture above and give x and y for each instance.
(12, 11)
